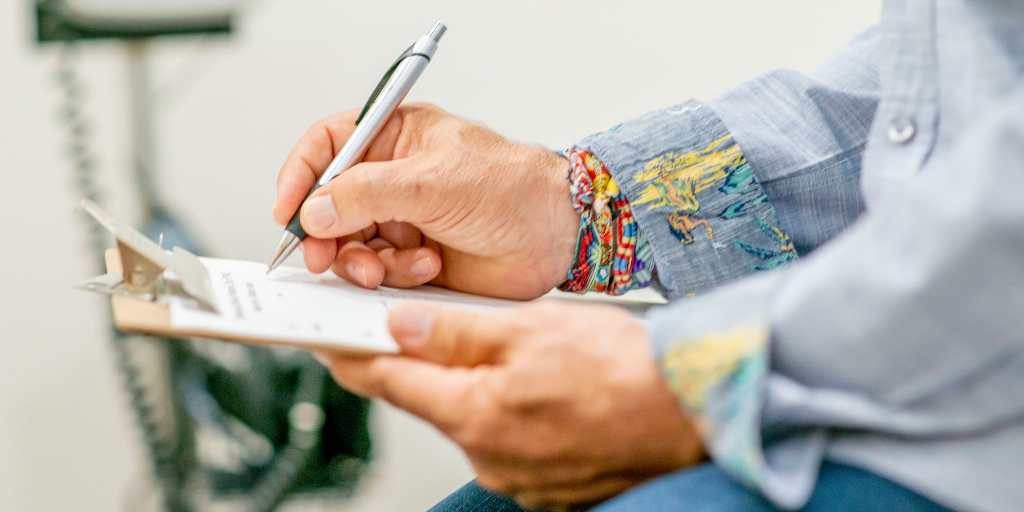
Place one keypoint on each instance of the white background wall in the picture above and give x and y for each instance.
(229, 109)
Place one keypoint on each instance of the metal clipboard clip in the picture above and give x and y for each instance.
(149, 271)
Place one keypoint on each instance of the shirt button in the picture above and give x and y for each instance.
(901, 130)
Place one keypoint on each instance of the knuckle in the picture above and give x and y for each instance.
(453, 335)
(338, 120)
(517, 399)
(320, 133)
(461, 346)
(473, 438)
(477, 434)
(516, 395)
(349, 116)
(425, 106)
(376, 380)
(318, 127)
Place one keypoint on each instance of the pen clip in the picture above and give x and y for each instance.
(387, 76)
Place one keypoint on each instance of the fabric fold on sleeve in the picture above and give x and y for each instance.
(717, 363)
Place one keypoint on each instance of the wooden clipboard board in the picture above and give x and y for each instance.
(138, 316)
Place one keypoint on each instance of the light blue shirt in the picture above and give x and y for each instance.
(887, 189)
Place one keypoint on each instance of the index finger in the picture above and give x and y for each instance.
(314, 151)
(439, 395)
(308, 160)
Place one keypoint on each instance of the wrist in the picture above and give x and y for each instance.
(565, 220)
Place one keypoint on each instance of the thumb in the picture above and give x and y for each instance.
(368, 192)
(450, 337)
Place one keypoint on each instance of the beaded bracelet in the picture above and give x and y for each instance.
(612, 252)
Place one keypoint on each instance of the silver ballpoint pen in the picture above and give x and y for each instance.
(390, 92)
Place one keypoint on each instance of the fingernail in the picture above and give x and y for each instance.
(414, 322)
(357, 272)
(320, 212)
(322, 358)
(422, 267)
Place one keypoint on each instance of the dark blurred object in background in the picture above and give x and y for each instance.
(74, 20)
(220, 420)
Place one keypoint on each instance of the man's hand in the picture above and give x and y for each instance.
(436, 199)
(554, 404)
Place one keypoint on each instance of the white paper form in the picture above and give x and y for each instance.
(292, 304)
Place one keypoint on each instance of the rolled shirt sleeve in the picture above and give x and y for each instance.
(804, 136)
(747, 183)
(694, 195)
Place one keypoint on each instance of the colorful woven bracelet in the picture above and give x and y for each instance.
(612, 252)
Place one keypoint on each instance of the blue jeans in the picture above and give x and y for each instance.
(706, 488)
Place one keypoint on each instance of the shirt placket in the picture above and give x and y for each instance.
(904, 129)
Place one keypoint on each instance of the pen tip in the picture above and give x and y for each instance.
(288, 244)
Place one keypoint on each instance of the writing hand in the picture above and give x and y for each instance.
(437, 199)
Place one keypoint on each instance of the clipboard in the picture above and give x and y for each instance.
(177, 294)
(146, 282)
(137, 315)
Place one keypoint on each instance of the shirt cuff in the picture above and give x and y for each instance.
(714, 354)
(694, 195)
